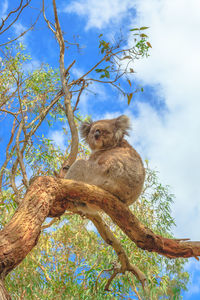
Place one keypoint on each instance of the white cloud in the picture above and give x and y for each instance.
(100, 13)
(172, 144)
(58, 138)
(194, 285)
(90, 227)
(3, 9)
(19, 29)
(31, 65)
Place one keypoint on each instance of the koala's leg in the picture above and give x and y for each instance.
(77, 170)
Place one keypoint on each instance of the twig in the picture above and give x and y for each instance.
(7, 154)
(22, 34)
(67, 96)
(50, 223)
(135, 290)
(96, 283)
(42, 268)
(111, 240)
(12, 12)
(116, 271)
(46, 20)
(79, 95)
(20, 156)
(69, 67)
(11, 113)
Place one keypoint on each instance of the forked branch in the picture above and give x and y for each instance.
(50, 197)
(111, 240)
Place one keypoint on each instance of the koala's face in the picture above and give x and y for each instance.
(101, 135)
(105, 134)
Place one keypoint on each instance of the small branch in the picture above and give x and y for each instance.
(99, 275)
(40, 119)
(79, 95)
(111, 240)
(135, 290)
(50, 223)
(69, 67)
(11, 113)
(94, 67)
(116, 271)
(46, 20)
(43, 269)
(67, 97)
(20, 8)
(20, 156)
(22, 34)
(8, 156)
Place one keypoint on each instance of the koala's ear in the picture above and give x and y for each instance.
(122, 125)
(85, 128)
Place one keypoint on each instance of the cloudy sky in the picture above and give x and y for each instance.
(168, 136)
(165, 118)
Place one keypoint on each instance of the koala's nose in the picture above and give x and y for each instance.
(97, 134)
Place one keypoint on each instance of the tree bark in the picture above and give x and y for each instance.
(50, 197)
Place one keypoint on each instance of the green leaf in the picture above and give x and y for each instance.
(107, 74)
(127, 57)
(143, 35)
(98, 70)
(143, 28)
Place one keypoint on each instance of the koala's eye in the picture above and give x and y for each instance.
(107, 132)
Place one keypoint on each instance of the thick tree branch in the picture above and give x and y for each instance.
(48, 196)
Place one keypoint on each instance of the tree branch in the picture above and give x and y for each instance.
(48, 196)
(111, 240)
(24, 32)
(67, 96)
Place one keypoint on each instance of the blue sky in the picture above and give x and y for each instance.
(165, 117)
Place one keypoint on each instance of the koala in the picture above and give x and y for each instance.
(114, 165)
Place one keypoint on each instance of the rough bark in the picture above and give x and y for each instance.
(48, 196)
